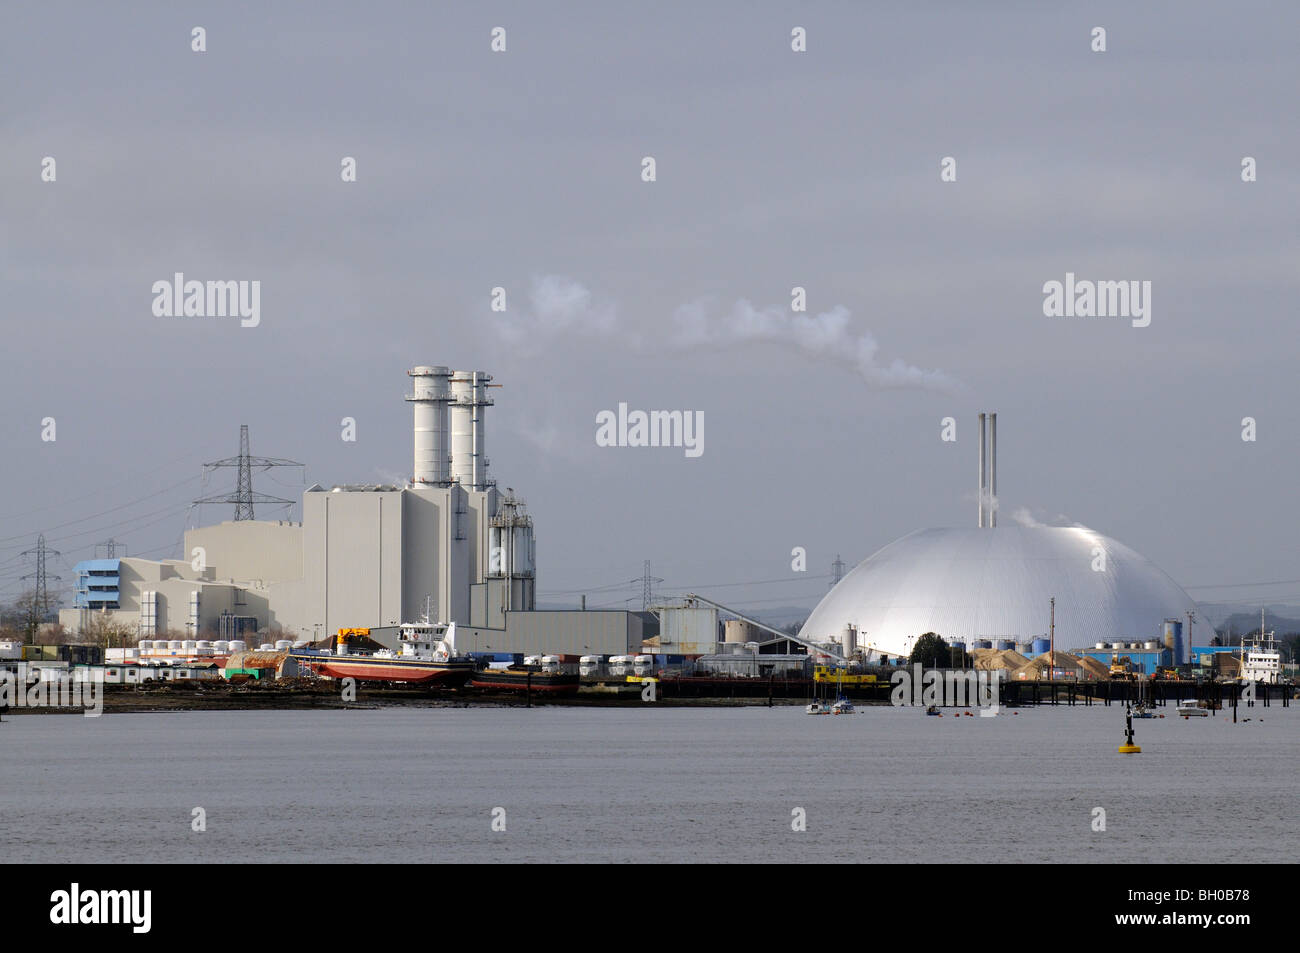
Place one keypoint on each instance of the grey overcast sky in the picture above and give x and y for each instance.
(775, 169)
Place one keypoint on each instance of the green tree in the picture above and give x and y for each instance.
(933, 652)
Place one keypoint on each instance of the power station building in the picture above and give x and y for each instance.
(448, 544)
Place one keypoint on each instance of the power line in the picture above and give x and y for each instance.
(63, 504)
(837, 571)
(647, 586)
(1246, 585)
(114, 509)
(42, 595)
(244, 497)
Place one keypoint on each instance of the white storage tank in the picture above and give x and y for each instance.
(266, 647)
(145, 645)
(281, 644)
(175, 645)
(238, 645)
(221, 646)
(496, 552)
(523, 551)
(189, 645)
(849, 641)
(1101, 645)
(1151, 646)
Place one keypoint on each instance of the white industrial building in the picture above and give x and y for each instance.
(997, 583)
(448, 543)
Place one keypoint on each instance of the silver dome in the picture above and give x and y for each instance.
(966, 584)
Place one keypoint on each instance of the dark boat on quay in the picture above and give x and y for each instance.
(525, 679)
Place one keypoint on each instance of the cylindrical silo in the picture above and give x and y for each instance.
(497, 552)
(431, 393)
(1006, 645)
(1041, 646)
(735, 631)
(849, 641)
(522, 551)
(1172, 636)
(983, 644)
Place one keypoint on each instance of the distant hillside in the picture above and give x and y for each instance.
(1281, 616)
(1244, 623)
(781, 616)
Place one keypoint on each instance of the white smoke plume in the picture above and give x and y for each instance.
(826, 335)
(1025, 517)
(557, 306)
(561, 306)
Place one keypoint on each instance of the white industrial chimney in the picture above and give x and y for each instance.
(431, 393)
(468, 433)
(983, 469)
(988, 478)
(993, 469)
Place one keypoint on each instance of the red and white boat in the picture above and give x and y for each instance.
(426, 656)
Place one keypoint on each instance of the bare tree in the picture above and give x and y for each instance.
(104, 630)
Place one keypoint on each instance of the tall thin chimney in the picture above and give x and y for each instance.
(430, 395)
(983, 432)
(468, 429)
(993, 469)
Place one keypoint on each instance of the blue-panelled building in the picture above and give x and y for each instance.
(1145, 661)
(97, 584)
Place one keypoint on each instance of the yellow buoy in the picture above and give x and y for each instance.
(1128, 747)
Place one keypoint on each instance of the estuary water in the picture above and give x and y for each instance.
(649, 784)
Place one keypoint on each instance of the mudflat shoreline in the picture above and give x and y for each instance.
(220, 696)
